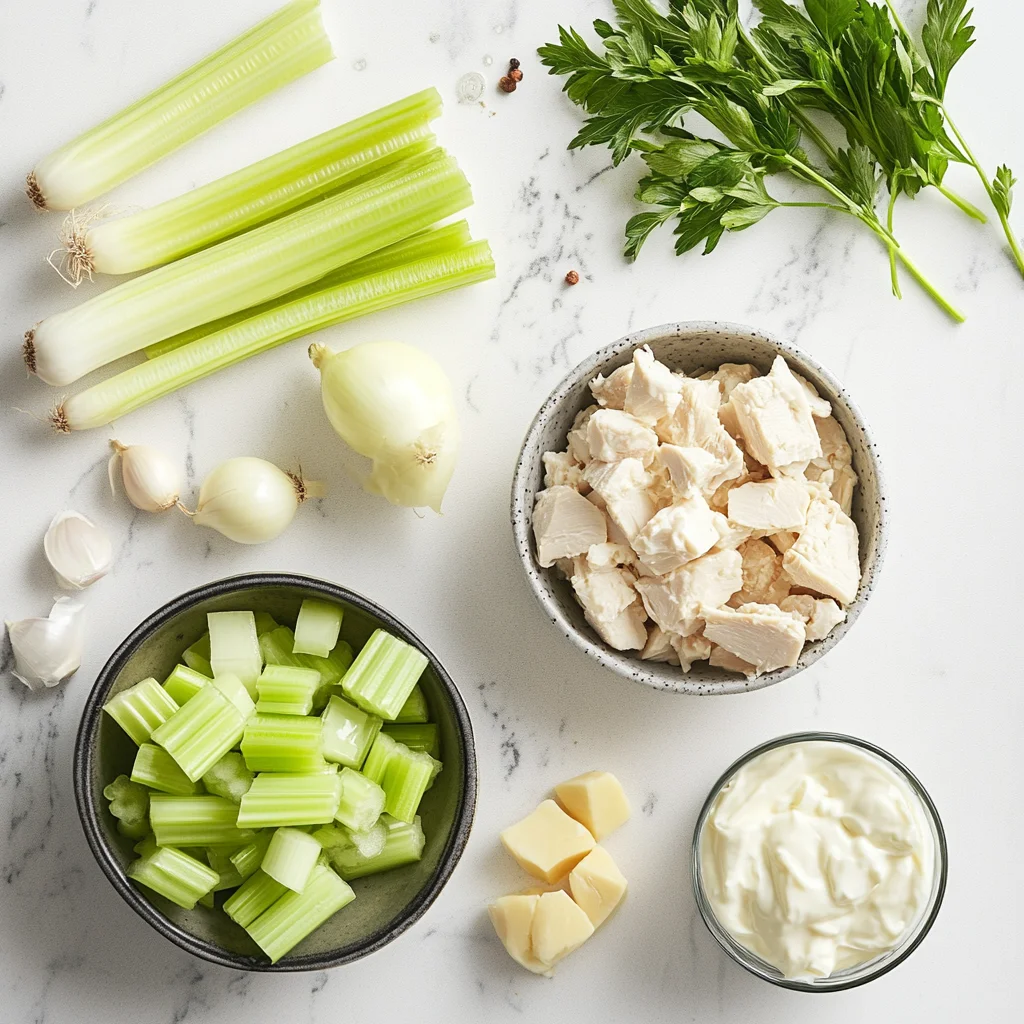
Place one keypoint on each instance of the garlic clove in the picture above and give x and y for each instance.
(48, 651)
(79, 551)
(151, 480)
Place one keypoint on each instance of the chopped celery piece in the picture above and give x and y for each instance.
(174, 874)
(196, 821)
(349, 846)
(229, 777)
(235, 647)
(207, 901)
(286, 690)
(291, 857)
(228, 875)
(376, 763)
(415, 708)
(282, 743)
(234, 689)
(383, 674)
(265, 622)
(184, 683)
(403, 844)
(295, 915)
(256, 894)
(277, 650)
(155, 768)
(198, 735)
(362, 801)
(250, 856)
(348, 732)
(370, 842)
(129, 803)
(424, 737)
(406, 778)
(317, 627)
(290, 799)
(140, 709)
(198, 656)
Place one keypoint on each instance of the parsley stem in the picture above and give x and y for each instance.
(893, 273)
(958, 200)
(822, 206)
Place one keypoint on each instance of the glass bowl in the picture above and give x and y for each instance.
(861, 973)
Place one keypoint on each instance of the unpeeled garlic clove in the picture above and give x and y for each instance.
(151, 480)
(48, 651)
(78, 550)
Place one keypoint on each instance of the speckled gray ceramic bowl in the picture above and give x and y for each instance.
(692, 348)
(385, 904)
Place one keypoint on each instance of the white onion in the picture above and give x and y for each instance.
(79, 552)
(151, 480)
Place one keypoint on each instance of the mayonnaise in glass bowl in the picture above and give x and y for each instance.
(863, 850)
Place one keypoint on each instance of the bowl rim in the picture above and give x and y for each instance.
(621, 662)
(88, 812)
(859, 974)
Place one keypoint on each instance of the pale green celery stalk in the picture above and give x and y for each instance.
(129, 804)
(197, 657)
(407, 775)
(383, 674)
(232, 687)
(228, 876)
(376, 764)
(317, 627)
(362, 801)
(426, 244)
(277, 650)
(348, 732)
(171, 873)
(265, 622)
(199, 734)
(291, 857)
(288, 44)
(282, 743)
(257, 193)
(235, 647)
(155, 768)
(279, 799)
(184, 683)
(139, 385)
(250, 856)
(347, 845)
(286, 690)
(140, 709)
(250, 268)
(229, 777)
(415, 708)
(207, 901)
(403, 845)
(196, 821)
(424, 737)
(256, 894)
(277, 930)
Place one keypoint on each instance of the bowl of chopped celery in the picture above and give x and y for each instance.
(275, 773)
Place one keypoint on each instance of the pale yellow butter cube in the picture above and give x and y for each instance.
(597, 885)
(559, 927)
(597, 800)
(548, 843)
(512, 917)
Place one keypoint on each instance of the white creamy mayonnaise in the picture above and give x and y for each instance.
(817, 856)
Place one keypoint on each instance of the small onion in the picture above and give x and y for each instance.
(48, 651)
(79, 552)
(151, 480)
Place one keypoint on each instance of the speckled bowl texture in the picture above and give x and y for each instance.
(386, 904)
(691, 347)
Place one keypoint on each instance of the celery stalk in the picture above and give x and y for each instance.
(155, 768)
(184, 683)
(265, 622)
(256, 894)
(415, 708)
(263, 190)
(199, 734)
(291, 857)
(348, 732)
(232, 688)
(295, 915)
(282, 743)
(362, 801)
(383, 674)
(196, 821)
(207, 901)
(288, 44)
(424, 737)
(403, 845)
(280, 799)
(228, 876)
(317, 627)
(137, 386)
(235, 648)
(376, 764)
(141, 708)
(129, 804)
(229, 777)
(250, 857)
(173, 874)
(285, 690)
(406, 777)
(277, 650)
(197, 656)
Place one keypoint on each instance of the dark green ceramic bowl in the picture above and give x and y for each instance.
(385, 904)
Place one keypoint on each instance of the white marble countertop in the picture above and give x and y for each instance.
(930, 671)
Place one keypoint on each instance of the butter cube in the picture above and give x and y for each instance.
(597, 885)
(595, 799)
(559, 927)
(512, 917)
(548, 843)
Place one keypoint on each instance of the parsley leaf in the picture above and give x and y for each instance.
(947, 35)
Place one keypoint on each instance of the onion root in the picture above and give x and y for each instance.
(74, 260)
(28, 350)
(34, 192)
